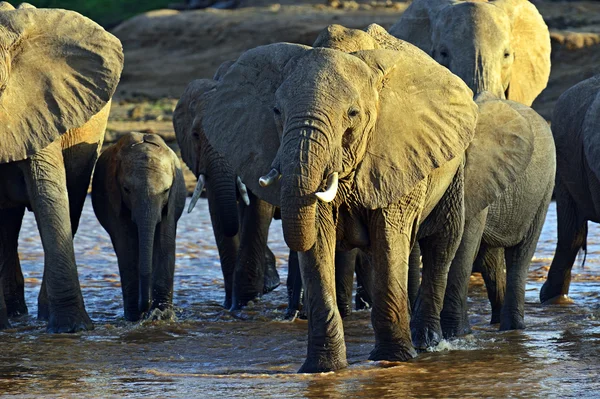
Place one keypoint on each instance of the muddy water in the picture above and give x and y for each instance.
(208, 352)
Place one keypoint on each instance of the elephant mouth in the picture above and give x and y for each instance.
(328, 195)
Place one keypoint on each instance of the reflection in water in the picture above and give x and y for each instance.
(209, 352)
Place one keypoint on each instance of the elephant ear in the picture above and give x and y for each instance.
(499, 153)
(190, 105)
(531, 43)
(57, 70)
(414, 25)
(426, 118)
(239, 121)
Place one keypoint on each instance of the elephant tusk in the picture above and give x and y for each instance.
(270, 178)
(331, 190)
(243, 191)
(197, 192)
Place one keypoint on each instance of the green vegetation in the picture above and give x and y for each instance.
(108, 13)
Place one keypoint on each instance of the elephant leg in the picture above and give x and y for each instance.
(364, 279)
(249, 272)
(163, 264)
(414, 273)
(518, 259)
(344, 280)
(492, 267)
(390, 315)
(572, 235)
(47, 190)
(12, 276)
(272, 279)
(326, 347)
(454, 318)
(294, 286)
(125, 242)
(43, 302)
(438, 248)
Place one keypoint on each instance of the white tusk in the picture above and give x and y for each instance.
(331, 190)
(270, 178)
(243, 191)
(197, 192)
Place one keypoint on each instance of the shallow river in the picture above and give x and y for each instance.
(208, 352)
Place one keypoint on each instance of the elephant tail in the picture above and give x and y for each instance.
(584, 247)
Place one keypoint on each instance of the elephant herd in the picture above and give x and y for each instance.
(380, 151)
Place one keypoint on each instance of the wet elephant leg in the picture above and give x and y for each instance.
(364, 279)
(294, 286)
(272, 279)
(572, 235)
(326, 347)
(344, 280)
(518, 259)
(47, 190)
(390, 249)
(249, 272)
(163, 268)
(414, 273)
(13, 282)
(454, 319)
(492, 268)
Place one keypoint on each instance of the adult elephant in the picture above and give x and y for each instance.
(575, 122)
(499, 46)
(138, 194)
(369, 148)
(509, 228)
(58, 72)
(240, 227)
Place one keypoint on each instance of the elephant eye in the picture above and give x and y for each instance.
(506, 54)
(196, 134)
(166, 191)
(126, 189)
(352, 112)
(276, 111)
(443, 53)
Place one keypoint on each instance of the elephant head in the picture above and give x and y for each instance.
(375, 123)
(209, 166)
(500, 46)
(141, 178)
(57, 70)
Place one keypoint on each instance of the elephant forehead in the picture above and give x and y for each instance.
(480, 19)
(345, 39)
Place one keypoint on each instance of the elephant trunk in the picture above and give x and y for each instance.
(305, 151)
(221, 193)
(146, 220)
(481, 77)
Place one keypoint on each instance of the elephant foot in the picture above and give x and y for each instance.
(227, 302)
(271, 277)
(43, 311)
(515, 322)
(4, 323)
(393, 352)
(559, 300)
(132, 314)
(455, 329)
(16, 308)
(495, 317)
(241, 300)
(69, 319)
(551, 291)
(426, 335)
(324, 363)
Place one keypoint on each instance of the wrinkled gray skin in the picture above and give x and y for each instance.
(503, 236)
(313, 145)
(138, 195)
(240, 230)
(499, 46)
(575, 124)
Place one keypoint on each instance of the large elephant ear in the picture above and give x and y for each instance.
(57, 70)
(426, 118)
(190, 105)
(239, 121)
(499, 153)
(531, 44)
(414, 24)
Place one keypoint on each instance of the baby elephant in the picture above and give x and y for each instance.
(138, 194)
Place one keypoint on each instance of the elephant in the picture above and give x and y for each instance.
(575, 121)
(58, 72)
(240, 228)
(511, 224)
(138, 195)
(499, 46)
(364, 150)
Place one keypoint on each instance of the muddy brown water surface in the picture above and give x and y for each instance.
(209, 352)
